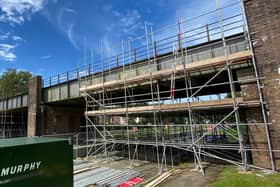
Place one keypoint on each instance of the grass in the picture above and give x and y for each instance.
(230, 177)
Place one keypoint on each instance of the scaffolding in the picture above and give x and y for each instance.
(13, 117)
(12, 123)
(177, 92)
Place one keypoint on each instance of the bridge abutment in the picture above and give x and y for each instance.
(254, 117)
(264, 24)
(59, 120)
(34, 102)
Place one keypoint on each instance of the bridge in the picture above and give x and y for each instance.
(62, 92)
(66, 86)
(212, 93)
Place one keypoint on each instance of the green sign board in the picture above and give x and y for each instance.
(36, 162)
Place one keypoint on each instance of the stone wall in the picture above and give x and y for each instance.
(264, 23)
(34, 101)
(59, 120)
(254, 117)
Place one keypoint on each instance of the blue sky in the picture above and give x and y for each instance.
(47, 37)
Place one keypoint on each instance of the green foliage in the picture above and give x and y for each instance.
(13, 82)
(231, 178)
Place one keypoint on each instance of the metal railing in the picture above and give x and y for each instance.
(194, 38)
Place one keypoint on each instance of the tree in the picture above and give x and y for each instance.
(13, 82)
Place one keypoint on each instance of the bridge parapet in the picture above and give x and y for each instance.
(198, 57)
(64, 91)
(70, 88)
(15, 102)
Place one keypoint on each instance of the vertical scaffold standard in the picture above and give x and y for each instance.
(179, 87)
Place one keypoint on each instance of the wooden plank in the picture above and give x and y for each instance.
(158, 180)
(174, 107)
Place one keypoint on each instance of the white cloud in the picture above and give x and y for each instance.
(6, 52)
(65, 24)
(16, 11)
(63, 19)
(130, 18)
(46, 57)
(70, 10)
(5, 36)
(107, 8)
(9, 36)
(17, 38)
(129, 21)
(8, 45)
(71, 36)
(116, 13)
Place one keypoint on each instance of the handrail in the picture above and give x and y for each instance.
(138, 54)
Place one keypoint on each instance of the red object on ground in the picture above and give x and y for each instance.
(131, 182)
(125, 185)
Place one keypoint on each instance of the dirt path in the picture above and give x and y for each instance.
(193, 179)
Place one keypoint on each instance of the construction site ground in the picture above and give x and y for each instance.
(186, 177)
(181, 175)
(218, 175)
(184, 174)
(146, 169)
